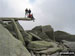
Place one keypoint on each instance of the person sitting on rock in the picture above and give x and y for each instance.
(31, 16)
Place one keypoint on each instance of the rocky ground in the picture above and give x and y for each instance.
(40, 41)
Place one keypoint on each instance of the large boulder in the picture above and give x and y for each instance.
(49, 31)
(69, 44)
(61, 35)
(10, 46)
(44, 32)
(39, 45)
(44, 47)
(44, 36)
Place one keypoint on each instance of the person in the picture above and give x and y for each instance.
(31, 16)
(26, 12)
(29, 11)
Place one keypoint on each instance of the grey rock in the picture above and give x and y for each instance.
(10, 46)
(49, 31)
(39, 45)
(44, 32)
(39, 40)
(69, 44)
(37, 28)
(50, 50)
(44, 36)
(44, 47)
(35, 36)
(61, 35)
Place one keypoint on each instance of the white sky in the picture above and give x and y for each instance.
(60, 14)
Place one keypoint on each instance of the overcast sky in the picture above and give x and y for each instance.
(60, 14)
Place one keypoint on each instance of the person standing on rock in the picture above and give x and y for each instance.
(26, 12)
(29, 11)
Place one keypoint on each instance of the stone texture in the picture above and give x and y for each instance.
(44, 32)
(39, 45)
(39, 41)
(44, 47)
(44, 36)
(69, 44)
(49, 31)
(9, 46)
(61, 35)
(50, 50)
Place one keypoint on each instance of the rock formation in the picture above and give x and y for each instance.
(40, 41)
